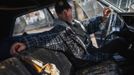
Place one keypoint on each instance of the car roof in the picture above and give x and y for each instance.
(23, 5)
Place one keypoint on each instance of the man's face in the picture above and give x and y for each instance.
(66, 15)
(69, 15)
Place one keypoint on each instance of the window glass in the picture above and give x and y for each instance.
(53, 11)
(33, 22)
(122, 4)
(90, 7)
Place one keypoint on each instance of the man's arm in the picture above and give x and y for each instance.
(92, 25)
(49, 39)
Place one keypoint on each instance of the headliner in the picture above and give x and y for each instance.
(24, 4)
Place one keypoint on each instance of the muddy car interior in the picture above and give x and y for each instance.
(20, 18)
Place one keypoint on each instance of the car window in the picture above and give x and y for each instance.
(90, 7)
(52, 10)
(33, 22)
(122, 4)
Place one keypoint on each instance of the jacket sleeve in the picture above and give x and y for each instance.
(49, 39)
(92, 25)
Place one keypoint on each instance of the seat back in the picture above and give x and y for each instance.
(49, 56)
(13, 66)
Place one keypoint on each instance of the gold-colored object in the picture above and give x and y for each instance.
(40, 67)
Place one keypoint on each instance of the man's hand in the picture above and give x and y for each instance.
(106, 13)
(16, 48)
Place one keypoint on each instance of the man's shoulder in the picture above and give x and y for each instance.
(58, 28)
(60, 23)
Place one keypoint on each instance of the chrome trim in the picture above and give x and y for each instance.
(106, 3)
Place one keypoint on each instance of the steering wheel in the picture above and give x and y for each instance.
(114, 25)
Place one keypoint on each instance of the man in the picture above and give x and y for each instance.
(65, 37)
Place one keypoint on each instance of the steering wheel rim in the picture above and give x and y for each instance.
(113, 20)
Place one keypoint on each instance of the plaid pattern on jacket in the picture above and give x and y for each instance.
(62, 37)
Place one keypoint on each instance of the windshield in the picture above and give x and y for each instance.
(125, 5)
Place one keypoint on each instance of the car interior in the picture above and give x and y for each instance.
(20, 18)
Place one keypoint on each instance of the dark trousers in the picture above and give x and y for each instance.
(118, 45)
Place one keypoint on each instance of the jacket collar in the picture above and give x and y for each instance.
(61, 22)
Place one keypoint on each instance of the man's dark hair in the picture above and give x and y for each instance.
(61, 5)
